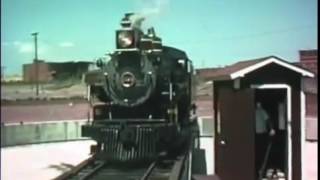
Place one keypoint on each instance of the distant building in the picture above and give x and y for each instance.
(70, 69)
(29, 72)
(13, 78)
(55, 70)
(309, 60)
(206, 73)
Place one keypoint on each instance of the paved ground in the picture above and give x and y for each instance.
(46, 161)
(207, 144)
(311, 160)
(42, 162)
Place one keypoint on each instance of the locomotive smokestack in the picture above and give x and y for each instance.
(125, 21)
(131, 20)
(128, 15)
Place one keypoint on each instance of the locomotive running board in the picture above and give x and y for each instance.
(130, 121)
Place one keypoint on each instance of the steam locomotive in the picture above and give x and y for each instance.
(142, 97)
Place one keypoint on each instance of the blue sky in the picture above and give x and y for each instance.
(212, 32)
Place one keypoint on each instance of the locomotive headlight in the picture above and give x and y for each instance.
(128, 79)
(125, 39)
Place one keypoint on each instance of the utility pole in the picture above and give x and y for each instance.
(203, 63)
(35, 61)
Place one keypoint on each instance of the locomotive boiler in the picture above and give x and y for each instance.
(142, 97)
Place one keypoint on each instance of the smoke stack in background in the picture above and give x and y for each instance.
(132, 20)
(125, 21)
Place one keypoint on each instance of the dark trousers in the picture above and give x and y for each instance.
(261, 144)
(279, 155)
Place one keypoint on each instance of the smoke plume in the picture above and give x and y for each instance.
(152, 9)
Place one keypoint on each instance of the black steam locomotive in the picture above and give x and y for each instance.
(143, 97)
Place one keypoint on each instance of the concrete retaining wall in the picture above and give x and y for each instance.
(41, 132)
(32, 133)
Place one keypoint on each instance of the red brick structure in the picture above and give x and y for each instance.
(309, 60)
(206, 73)
(55, 70)
(29, 72)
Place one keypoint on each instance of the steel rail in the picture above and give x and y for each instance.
(75, 169)
(177, 168)
(149, 171)
(92, 169)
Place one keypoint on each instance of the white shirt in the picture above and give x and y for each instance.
(261, 120)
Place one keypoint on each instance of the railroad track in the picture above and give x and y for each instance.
(92, 169)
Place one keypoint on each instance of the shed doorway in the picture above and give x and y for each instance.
(272, 152)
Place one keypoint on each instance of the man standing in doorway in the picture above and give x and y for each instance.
(263, 126)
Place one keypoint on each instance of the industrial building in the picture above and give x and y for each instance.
(48, 71)
(309, 61)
